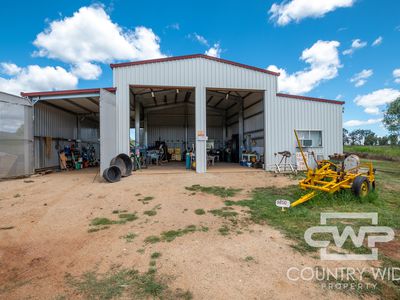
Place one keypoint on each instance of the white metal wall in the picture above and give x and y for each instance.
(16, 136)
(169, 125)
(200, 73)
(53, 122)
(60, 126)
(108, 123)
(286, 114)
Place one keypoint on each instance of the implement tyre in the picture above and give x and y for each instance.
(112, 174)
(360, 186)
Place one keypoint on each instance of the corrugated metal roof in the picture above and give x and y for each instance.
(173, 58)
(5, 97)
(66, 92)
(310, 98)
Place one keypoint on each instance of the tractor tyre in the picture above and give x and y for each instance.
(360, 186)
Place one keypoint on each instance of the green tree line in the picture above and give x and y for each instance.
(391, 120)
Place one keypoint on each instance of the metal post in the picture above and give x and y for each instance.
(186, 127)
(201, 128)
(145, 126)
(137, 122)
(223, 129)
(241, 130)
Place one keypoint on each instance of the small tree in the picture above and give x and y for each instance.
(370, 138)
(383, 140)
(393, 139)
(346, 138)
(391, 118)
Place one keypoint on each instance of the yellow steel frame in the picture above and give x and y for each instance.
(329, 177)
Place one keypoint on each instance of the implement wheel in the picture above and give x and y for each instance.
(360, 186)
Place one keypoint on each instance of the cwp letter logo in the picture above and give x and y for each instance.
(373, 234)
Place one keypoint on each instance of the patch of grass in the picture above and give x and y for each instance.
(122, 283)
(95, 229)
(199, 211)
(170, 235)
(153, 211)
(141, 250)
(204, 228)
(123, 218)
(155, 255)
(295, 221)
(375, 152)
(101, 221)
(150, 213)
(129, 237)
(17, 195)
(225, 212)
(214, 190)
(224, 230)
(152, 239)
(119, 211)
(146, 200)
(249, 258)
(152, 263)
(128, 217)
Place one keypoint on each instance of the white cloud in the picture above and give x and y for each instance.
(324, 62)
(339, 97)
(357, 123)
(9, 69)
(396, 75)
(214, 51)
(36, 78)
(372, 101)
(87, 71)
(201, 39)
(360, 79)
(296, 10)
(355, 45)
(174, 26)
(91, 36)
(377, 42)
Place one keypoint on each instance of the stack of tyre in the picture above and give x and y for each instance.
(120, 166)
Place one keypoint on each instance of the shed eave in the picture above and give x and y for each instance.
(192, 56)
(310, 98)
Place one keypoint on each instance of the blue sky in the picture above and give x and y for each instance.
(68, 44)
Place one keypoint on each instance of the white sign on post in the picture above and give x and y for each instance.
(301, 166)
(282, 203)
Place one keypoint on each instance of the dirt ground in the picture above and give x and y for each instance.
(50, 216)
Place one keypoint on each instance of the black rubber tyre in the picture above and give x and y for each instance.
(360, 186)
(124, 163)
(112, 174)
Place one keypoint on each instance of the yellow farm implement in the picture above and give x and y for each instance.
(330, 177)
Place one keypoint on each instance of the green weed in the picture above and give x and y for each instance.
(214, 190)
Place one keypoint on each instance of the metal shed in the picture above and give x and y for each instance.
(16, 150)
(187, 101)
(64, 117)
(221, 98)
(200, 75)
